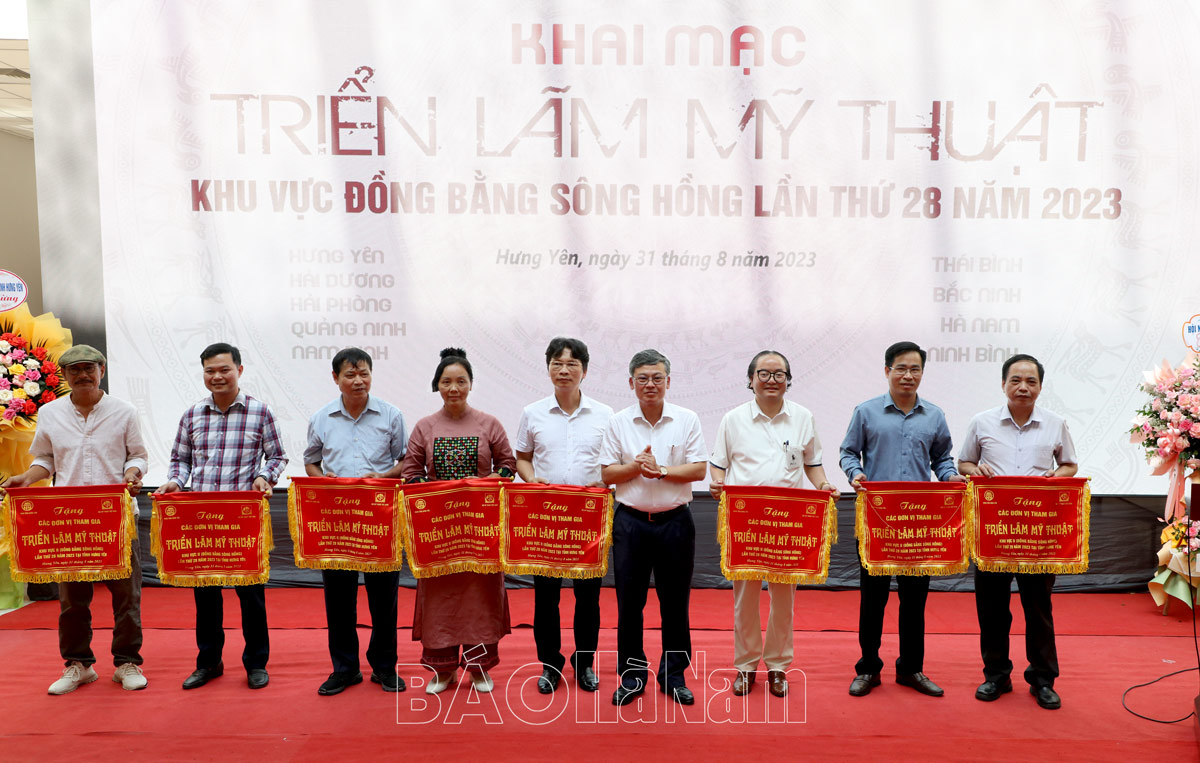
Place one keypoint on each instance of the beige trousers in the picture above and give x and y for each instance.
(749, 646)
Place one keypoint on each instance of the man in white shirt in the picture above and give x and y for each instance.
(558, 442)
(773, 442)
(1017, 439)
(92, 438)
(653, 451)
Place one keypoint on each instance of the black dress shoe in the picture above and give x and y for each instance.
(258, 678)
(990, 691)
(681, 694)
(921, 683)
(587, 679)
(548, 681)
(862, 684)
(1046, 697)
(389, 681)
(202, 676)
(624, 695)
(337, 682)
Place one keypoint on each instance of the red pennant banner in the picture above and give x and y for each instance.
(556, 530)
(59, 534)
(1032, 524)
(211, 539)
(777, 534)
(452, 526)
(914, 528)
(345, 524)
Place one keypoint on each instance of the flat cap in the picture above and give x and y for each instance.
(82, 353)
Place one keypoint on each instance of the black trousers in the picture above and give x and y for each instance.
(210, 631)
(665, 547)
(546, 631)
(992, 595)
(75, 616)
(341, 615)
(873, 595)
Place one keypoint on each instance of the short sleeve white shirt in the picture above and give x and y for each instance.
(565, 447)
(675, 439)
(756, 449)
(1043, 444)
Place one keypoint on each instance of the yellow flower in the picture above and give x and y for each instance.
(19, 394)
(16, 368)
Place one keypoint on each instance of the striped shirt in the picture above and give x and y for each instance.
(226, 451)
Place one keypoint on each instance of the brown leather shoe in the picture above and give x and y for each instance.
(778, 681)
(743, 683)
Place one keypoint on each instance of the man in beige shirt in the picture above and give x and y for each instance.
(91, 438)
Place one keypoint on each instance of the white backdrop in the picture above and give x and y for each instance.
(981, 178)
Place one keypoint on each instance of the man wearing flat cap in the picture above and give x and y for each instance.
(91, 438)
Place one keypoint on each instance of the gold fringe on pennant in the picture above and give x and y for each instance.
(81, 576)
(351, 565)
(266, 543)
(449, 568)
(914, 570)
(1054, 568)
(6, 531)
(829, 537)
(551, 571)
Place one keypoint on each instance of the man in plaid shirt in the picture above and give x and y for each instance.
(227, 441)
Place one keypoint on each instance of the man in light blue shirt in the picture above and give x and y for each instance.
(896, 436)
(357, 435)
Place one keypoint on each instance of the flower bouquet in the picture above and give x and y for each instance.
(1177, 573)
(1168, 426)
(29, 378)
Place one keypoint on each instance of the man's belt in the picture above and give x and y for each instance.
(655, 516)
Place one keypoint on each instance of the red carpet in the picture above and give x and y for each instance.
(1107, 642)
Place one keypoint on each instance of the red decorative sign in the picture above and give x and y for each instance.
(345, 524)
(1031, 524)
(211, 539)
(913, 528)
(559, 531)
(777, 534)
(452, 526)
(60, 534)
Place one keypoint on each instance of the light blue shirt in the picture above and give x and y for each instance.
(349, 447)
(888, 444)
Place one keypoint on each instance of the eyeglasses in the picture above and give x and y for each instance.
(570, 365)
(776, 376)
(902, 371)
(657, 380)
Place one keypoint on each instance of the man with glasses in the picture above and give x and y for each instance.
(558, 442)
(766, 441)
(653, 451)
(896, 437)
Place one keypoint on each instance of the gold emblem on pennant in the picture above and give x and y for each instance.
(1064, 497)
(420, 503)
(810, 510)
(247, 511)
(948, 500)
(489, 498)
(877, 500)
(590, 504)
(106, 504)
(519, 499)
(739, 504)
(171, 511)
(310, 494)
(381, 498)
(27, 506)
(988, 495)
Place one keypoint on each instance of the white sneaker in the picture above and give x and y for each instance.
(74, 675)
(482, 682)
(130, 677)
(440, 683)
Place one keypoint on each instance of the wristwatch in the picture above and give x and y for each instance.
(662, 472)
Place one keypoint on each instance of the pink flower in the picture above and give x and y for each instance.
(1156, 404)
(10, 412)
(18, 354)
(32, 374)
(5, 384)
(1181, 444)
(1185, 425)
